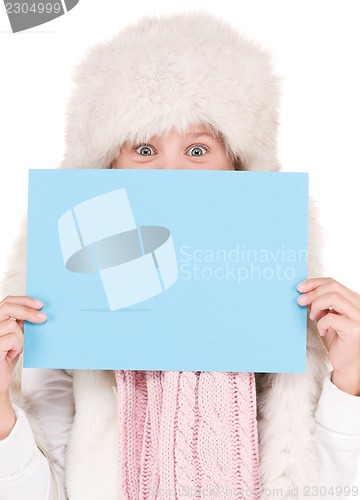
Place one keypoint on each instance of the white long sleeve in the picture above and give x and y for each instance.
(338, 436)
(23, 468)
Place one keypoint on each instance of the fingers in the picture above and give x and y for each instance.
(10, 346)
(317, 286)
(307, 285)
(11, 334)
(13, 312)
(22, 308)
(344, 327)
(336, 302)
(23, 300)
(321, 314)
(10, 326)
(11, 339)
(329, 295)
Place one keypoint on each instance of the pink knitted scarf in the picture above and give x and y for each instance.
(187, 435)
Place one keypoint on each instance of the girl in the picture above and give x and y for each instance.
(185, 91)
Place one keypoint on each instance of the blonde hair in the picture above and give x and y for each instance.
(219, 136)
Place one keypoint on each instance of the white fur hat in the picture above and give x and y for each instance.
(172, 72)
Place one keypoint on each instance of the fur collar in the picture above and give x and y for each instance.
(286, 407)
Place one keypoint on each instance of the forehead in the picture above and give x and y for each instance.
(196, 130)
(190, 133)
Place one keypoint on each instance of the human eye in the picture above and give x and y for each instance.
(144, 150)
(197, 150)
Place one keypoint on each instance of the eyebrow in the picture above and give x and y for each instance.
(200, 133)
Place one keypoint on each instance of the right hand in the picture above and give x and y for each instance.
(13, 312)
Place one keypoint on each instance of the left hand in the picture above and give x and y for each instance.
(337, 312)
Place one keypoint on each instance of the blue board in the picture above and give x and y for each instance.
(146, 269)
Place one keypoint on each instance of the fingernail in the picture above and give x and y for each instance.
(41, 315)
(302, 299)
(39, 304)
(301, 285)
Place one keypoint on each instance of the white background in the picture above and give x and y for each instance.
(316, 50)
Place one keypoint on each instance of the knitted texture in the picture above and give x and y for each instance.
(187, 435)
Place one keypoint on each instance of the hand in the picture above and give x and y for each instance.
(13, 312)
(337, 312)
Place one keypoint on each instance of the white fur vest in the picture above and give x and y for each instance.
(286, 406)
